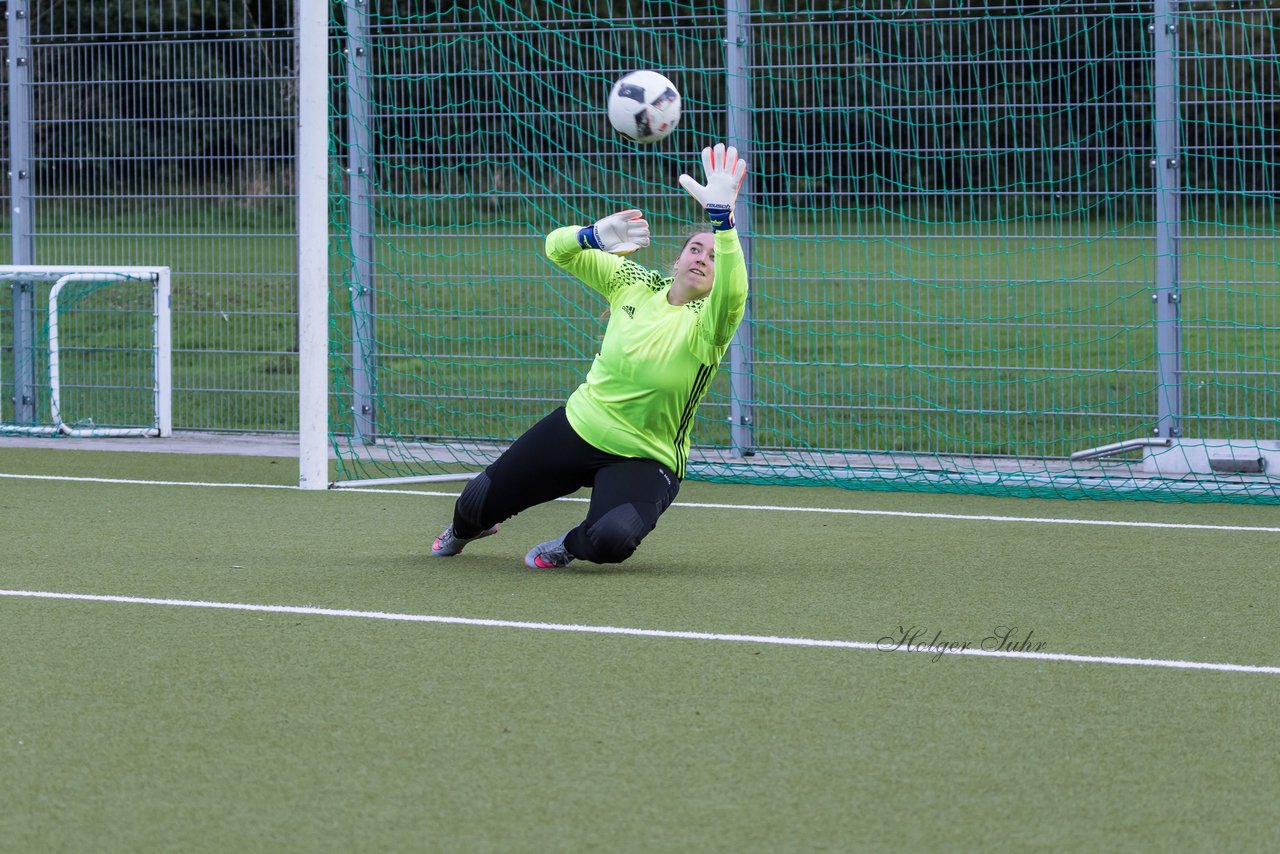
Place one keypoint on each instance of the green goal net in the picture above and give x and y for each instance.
(991, 250)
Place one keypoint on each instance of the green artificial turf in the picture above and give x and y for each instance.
(137, 727)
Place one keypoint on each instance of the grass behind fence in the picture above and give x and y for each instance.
(953, 338)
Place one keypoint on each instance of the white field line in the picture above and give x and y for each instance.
(127, 481)
(772, 508)
(642, 633)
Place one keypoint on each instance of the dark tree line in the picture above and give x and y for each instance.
(996, 100)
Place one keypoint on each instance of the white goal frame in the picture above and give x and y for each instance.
(313, 244)
(161, 346)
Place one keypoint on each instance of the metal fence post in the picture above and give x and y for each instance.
(739, 134)
(1166, 164)
(360, 212)
(22, 235)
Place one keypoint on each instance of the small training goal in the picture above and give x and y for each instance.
(91, 352)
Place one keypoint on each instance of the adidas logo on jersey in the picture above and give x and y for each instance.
(630, 310)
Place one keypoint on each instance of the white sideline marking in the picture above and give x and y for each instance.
(845, 511)
(643, 633)
(123, 480)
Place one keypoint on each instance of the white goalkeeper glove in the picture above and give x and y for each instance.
(618, 234)
(724, 178)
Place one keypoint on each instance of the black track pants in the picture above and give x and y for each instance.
(550, 461)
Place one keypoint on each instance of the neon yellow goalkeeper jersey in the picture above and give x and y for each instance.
(656, 360)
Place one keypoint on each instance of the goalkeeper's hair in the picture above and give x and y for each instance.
(702, 229)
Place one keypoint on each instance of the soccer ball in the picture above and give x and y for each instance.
(644, 106)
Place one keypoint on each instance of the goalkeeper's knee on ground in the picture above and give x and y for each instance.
(616, 535)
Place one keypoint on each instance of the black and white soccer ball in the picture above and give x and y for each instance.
(644, 106)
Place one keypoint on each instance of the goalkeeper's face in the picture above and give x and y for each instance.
(695, 268)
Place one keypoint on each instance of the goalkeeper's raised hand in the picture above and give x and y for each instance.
(725, 172)
(618, 234)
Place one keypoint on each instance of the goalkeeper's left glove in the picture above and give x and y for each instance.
(724, 178)
(618, 234)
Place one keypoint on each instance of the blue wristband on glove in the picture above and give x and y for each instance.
(720, 217)
(587, 238)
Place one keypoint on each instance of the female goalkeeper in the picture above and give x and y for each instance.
(625, 431)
